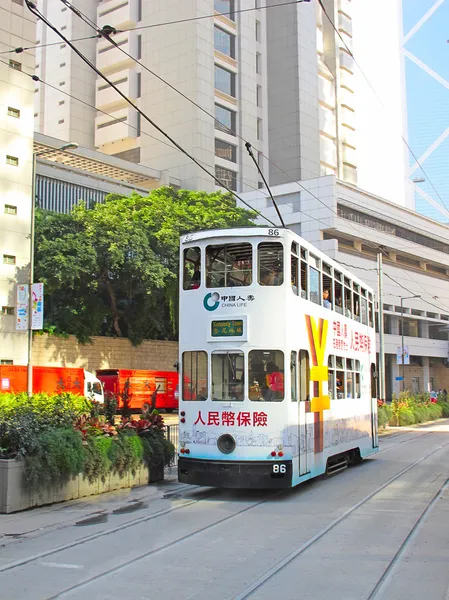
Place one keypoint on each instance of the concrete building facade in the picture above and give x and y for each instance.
(350, 225)
(16, 156)
(280, 77)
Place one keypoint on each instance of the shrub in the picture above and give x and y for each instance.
(383, 414)
(444, 408)
(57, 458)
(126, 453)
(23, 419)
(421, 413)
(435, 411)
(110, 407)
(97, 458)
(405, 416)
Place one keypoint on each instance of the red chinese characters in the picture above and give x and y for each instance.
(345, 339)
(232, 419)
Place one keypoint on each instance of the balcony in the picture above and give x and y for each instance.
(111, 59)
(121, 127)
(107, 98)
(344, 24)
(348, 135)
(349, 155)
(121, 14)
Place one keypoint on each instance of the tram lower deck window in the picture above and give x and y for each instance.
(228, 376)
(266, 375)
(194, 375)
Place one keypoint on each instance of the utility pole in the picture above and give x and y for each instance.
(380, 307)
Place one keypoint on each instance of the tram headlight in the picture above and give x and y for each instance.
(226, 443)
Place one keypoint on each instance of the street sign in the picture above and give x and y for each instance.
(22, 307)
(399, 378)
(37, 317)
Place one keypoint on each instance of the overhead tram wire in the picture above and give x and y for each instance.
(320, 2)
(32, 7)
(57, 89)
(196, 162)
(162, 24)
(106, 34)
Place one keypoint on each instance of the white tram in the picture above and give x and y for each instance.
(277, 361)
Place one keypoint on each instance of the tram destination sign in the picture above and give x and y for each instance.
(229, 328)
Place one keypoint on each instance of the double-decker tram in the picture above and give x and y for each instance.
(277, 361)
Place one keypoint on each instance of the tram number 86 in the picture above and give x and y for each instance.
(279, 470)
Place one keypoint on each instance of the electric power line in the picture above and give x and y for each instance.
(39, 15)
(320, 2)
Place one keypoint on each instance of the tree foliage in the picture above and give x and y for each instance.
(113, 270)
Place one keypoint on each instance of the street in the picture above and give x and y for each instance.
(379, 530)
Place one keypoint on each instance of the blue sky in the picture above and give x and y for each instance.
(428, 100)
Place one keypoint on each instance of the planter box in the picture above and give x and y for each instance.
(14, 496)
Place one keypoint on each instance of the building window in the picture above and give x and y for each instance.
(258, 31)
(15, 65)
(61, 83)
(139, 10)
(36, 115)
(225, 119)
(62, 65)
(259, 129)
(64, 9)
(139, 85)
(6, 361)
(224, 42)
(8, 259)
(61, 102)
(225, 150)
(227, 177)
(12, 160)
(259, 95)
(258, 63)
(62, 46)
(19, 2)
(225, 81)
(111, 10)
(225, 7)
(13, 112)
(60, 121)
(138, 125)
(63, 27)
(10, 209)
(8, 310)
(139, 47)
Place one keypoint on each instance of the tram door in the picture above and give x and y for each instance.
(304, 397)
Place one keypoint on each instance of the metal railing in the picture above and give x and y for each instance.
(172, 435)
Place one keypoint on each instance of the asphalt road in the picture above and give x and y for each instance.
(376, 531)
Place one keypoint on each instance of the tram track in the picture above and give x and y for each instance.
(259, 582)
(138, 521)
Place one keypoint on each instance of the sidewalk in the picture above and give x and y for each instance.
(85, 511)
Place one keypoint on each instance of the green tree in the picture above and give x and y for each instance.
(113, 270)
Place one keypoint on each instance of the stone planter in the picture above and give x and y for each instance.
(14, 496)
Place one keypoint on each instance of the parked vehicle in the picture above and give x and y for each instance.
(142, 385)
(51, 380)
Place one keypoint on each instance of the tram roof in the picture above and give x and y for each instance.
(264, 232)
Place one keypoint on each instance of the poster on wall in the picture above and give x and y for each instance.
(22, 307)
(37, 316)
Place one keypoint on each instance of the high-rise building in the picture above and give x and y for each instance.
(279, 76)
(17, 29)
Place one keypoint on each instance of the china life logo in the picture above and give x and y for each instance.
(211, 301)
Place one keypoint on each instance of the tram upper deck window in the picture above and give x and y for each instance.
(194, 374)
(266, 375)
(229, 265)
(228, 376)
(338, 292)
(314, 285)
(348, 298)
(327, 286)
(294, 268)
(271, 263)
(364, 307)
(370, 310)
(356, 302)
(192, 269)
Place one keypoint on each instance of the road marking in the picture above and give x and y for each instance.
(61, 565)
